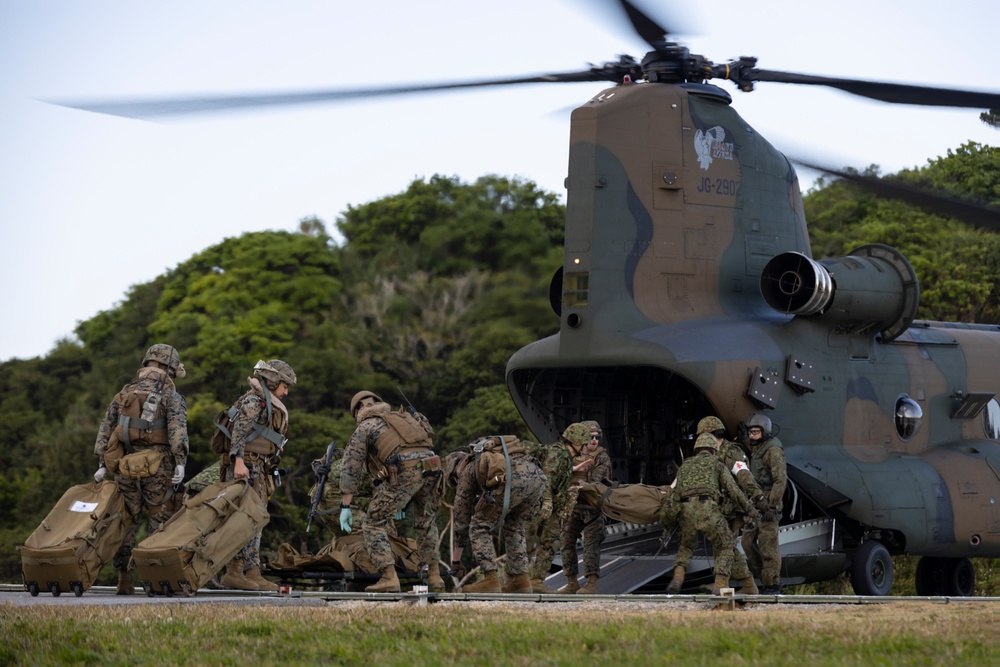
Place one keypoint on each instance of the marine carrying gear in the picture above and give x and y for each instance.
(275, 371)
(492, 466)
(166, 355)
(358, 397)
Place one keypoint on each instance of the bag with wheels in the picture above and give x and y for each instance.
(74, 541)
(198, 541)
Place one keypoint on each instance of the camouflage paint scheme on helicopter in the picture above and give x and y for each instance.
(687, 289)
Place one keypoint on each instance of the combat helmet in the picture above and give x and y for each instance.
(274, 371)
(166, 355)
(361, 395)
(577, 435)
(710, 424)
(593, 426)
(706, 441)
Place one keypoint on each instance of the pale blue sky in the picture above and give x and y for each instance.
(92, 204)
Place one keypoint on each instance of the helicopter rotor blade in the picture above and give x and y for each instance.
(977, 215)
(896, 93)
(143, 108)
(654, 34)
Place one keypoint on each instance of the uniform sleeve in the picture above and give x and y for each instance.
(352, 464)
(602, 467)
(729, 487)
(779, 473)
(465, 500)
(248, 413)
(177, 428)
(425, 423)
(104, 431)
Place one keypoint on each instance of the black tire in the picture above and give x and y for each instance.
(55, 590)
(33, 588)
(871, 569)
(959, 577)
(929, 578)
(77, 589)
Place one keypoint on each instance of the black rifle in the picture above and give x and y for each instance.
(321, 483)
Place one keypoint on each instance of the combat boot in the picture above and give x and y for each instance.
(389, 583)
(721, 581)
(538, 586)
(677, 581)
(490, 583)
(749, 587)
(518, 584)
(434, 580)
(589, 588)
(125, 585)
(572, 585)
(235, 578)
(253, 574)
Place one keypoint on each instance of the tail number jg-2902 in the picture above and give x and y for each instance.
(719, 186)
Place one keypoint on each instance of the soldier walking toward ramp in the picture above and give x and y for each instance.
(397, 448)
(487, 501)
(143, 440)
(734, 459)
(593, 464)
(250, 447)
(558, 468)
(701, 480)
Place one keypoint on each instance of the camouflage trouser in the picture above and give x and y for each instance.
(740, 570)
(548, 535)
(411, 487)
(705, 517)
(250, 554)
(593, 536)
(526, 487)
(146, 494)
(763, 554)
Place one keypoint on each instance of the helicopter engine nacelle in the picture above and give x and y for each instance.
(873, 289)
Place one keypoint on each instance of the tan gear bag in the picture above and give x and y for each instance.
(491, 465)
(81, 533)
(198, 541)
(640, 504)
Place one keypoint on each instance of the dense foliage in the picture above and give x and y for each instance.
(432, 290)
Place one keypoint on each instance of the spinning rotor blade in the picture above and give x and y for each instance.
(170, 106)
(983, 217)
(648, 29)
(896, 93)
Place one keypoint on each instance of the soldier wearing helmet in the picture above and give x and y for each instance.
(255, 440)
(397, 448)
(735, 460)
(767, 463)
(593, 464)
(558, 467)
(147, 419)
(701, 481)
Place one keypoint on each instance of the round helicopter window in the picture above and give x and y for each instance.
(908, 417)
(991, 420)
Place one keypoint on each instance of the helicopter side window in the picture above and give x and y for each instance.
(909, 416)
(576, 289)
(991, 420)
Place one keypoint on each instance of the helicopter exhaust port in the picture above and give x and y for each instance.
(872, 290)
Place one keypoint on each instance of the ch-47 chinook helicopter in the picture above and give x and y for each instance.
(688, 288)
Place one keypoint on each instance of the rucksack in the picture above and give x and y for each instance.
(491, 465)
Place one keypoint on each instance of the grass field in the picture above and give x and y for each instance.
(499, 633)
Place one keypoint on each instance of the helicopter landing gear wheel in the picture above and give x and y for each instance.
(871, 569)
(959, 577)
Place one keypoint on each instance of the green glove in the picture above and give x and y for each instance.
(346, 519)
(400, 515)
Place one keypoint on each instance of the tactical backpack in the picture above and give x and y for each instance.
(491, 463)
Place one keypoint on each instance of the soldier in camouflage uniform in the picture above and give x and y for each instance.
(593, 464)
(701, 481)
(734, 459)
(328, 510)
(558, 468)
(767, 463)
(147, 415)
(397, 449)
(478, 508)
(257, 434)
